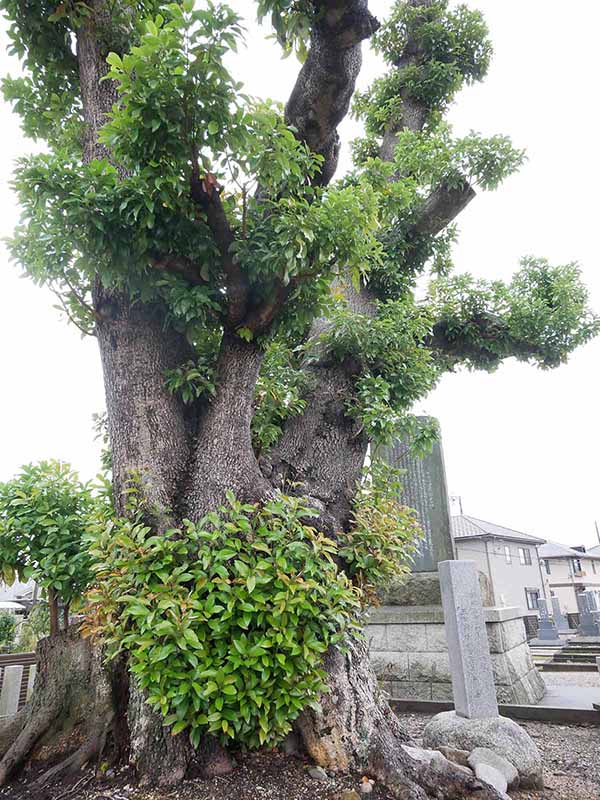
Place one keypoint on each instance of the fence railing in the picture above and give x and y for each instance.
(17, 674)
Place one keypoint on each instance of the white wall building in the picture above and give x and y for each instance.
(18, 591)
(508, 557)
(568, 570)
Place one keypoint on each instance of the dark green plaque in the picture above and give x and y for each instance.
(425, 490)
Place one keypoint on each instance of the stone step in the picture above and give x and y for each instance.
(575, 659)
(556, 666)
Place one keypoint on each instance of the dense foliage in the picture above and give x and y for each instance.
(44, 512)
(226, 621)
(383, 535)
(184, 131)
(8, 627)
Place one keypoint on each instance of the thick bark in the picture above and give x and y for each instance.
(323, 451)
(325, 85)
(149, 433)
(357, 730)
(224, 458)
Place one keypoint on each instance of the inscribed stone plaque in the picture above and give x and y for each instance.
(425, 490)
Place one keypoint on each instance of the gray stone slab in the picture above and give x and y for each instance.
(547, 630)
(560, 620)
(589, 624)
(468, 649)
(11, 688)
(425, 490)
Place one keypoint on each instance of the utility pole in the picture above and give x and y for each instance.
(458, 499)
(597, 531)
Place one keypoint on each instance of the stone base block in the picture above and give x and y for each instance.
(409, 653)
(499, 734)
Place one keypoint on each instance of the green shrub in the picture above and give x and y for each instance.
(44, 512)
(8, 625)
(225, 622)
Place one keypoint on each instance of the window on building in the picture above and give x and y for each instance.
(533, 599)
(547, 566)
(593, 566)
(507, 555)
(524, 555)
(576, 564)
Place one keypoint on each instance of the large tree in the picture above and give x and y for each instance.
(259, 323)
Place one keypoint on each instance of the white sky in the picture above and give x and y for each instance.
(521, 445)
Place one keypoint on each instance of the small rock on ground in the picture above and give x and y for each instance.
(482, 755)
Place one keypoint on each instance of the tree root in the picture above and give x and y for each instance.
(72, 689)
(408, 779)
(18, 751)
(90, 750)
(357, 729)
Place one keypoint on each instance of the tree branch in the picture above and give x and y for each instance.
(492, 344)
(325, 85)
(205, 193)
(442, 206)
(179, 265)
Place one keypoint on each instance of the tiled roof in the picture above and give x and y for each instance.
(464, 526)
(556, 550)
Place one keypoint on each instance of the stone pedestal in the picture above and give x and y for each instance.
(409, 652)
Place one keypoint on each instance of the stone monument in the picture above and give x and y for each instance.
(468, 648)
(425, 490)
(475, 722)
(589, 616)
(406, 632)
(547, 630)
(560, 620)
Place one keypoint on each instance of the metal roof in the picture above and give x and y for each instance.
(8, 605)
(465, 527)
(557, 550)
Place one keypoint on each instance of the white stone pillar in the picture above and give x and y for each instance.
(11, 688)
(468, 647)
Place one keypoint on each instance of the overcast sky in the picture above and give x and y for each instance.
(521, 445)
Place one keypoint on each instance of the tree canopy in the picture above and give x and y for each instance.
(218, 204)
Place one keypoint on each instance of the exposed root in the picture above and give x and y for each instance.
(33, 730)
(10, 729)
(356, 729)
(72, 689)
(89, 751)
(408, 779)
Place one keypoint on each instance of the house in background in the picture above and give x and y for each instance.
(18, 591)
(508, 557)
(569, 570)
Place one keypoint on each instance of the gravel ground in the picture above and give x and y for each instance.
(571, 756)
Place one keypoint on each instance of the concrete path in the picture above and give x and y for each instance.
(570, 697)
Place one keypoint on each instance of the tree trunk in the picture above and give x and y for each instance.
(75, 695)
(224, 458)
(151, 440)
(357, 730)
(149, 434)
